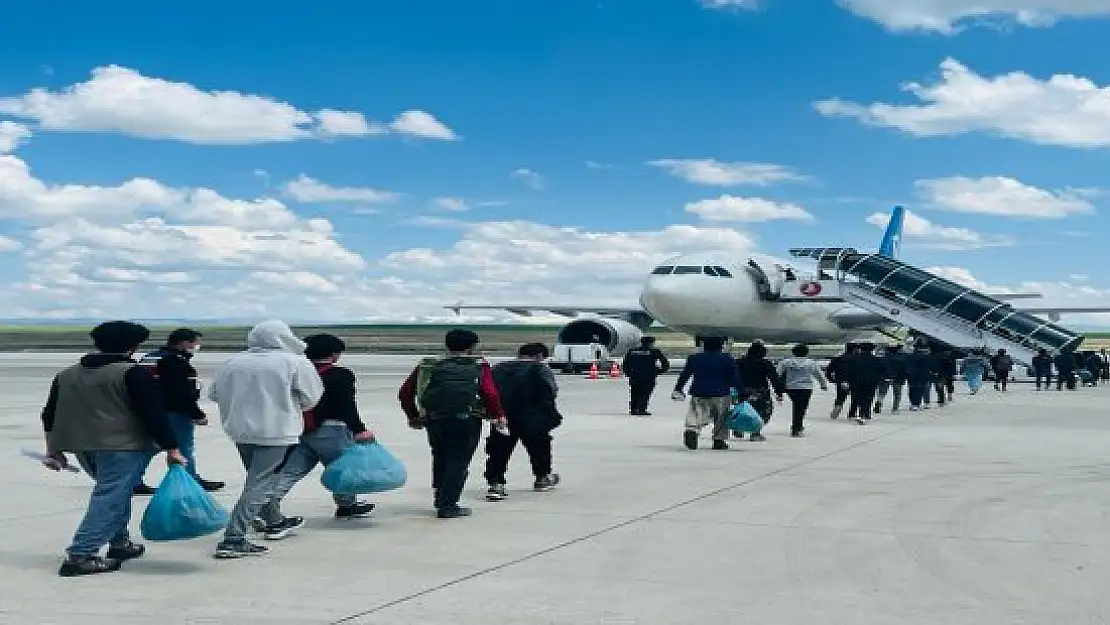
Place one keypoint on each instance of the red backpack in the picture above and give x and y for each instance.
(309, 415)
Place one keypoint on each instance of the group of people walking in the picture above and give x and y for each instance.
(1070, 369)
(287, 405)
(864, 376)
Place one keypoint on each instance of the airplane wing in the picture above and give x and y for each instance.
(562, 311)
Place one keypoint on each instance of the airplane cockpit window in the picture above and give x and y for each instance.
(662, 270)
(686, 270)
(790, 274)
(709, 271)
(724, 273)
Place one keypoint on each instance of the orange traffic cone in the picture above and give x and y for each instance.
(594, 373)
(615, 371)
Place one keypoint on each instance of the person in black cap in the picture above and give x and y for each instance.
(172, 367)
(330, 428)
(109, 413)
(642, 365)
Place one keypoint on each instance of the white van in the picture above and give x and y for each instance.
(578, 358)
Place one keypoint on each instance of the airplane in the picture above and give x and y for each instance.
(708, 294)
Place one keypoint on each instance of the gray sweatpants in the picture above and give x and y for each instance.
(321, 446)
(263, 464)
(706, 410)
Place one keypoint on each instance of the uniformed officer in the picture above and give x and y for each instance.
(642, 365)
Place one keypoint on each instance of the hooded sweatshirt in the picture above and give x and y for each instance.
(263, 392)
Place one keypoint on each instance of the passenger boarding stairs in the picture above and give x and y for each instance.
(937, 307)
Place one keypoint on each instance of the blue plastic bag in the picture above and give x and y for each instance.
(744, 418)
(181, 510)
(363, 469)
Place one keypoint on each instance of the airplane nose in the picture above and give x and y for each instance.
(664, 297)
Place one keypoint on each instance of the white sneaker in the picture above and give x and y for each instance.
(496, 492)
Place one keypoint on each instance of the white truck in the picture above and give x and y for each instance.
(576, 358)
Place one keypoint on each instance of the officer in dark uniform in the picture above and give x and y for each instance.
(642, 365)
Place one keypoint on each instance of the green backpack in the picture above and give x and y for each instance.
(450, 387)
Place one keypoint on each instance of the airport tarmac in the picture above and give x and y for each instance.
(992, 510)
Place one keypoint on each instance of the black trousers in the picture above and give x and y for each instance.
(453, 442)
(939, 387)
(799, 404)
(639, 392)
(1001, 379)
(1065, 377)
(863, 398)
(499, 449)
(841, 395)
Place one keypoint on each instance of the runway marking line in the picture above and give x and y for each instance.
(618, 526)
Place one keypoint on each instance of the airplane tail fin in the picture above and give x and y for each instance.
(892, 238)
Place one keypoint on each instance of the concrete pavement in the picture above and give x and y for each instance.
(989, 511)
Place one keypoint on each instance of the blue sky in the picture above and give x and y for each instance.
(584, 94)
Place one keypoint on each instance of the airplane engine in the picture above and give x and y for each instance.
(616, 335)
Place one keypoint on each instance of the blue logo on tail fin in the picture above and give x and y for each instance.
(892, 238)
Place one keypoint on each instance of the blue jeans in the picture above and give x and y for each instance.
(322, 446)
(184, 430)
(109, 512)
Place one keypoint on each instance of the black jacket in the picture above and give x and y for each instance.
(1065, 363)
(178, 378)
(837, 370)
(143, 394)
(896, 366)
(920, 367)
(759, 374)
(865, 370)
(339, 402)
(645, 363)
(947, 365)
(527, 390)
(1042, 365)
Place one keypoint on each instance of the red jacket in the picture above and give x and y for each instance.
(487, 389)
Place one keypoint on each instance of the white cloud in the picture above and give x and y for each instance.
(935, 236)
(521, 258)
(528, 177)
(422, 124)
(139, 275)
(121, 100)
(747, 5)
(732, 208)
(715, 173)
(311, 191)
(1063, 110)
(998, 195)
(453, 204)
(948, 16)
(144, 248)
(598, 165)
(12, 135)
(334, 123)
(22, 196)
(8, 244)
(304, 280)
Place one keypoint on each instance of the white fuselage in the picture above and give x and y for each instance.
(710, 305)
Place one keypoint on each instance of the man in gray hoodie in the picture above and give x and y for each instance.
(263, 393)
